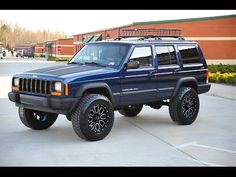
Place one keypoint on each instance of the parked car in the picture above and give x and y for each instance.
(19, 53)
(120, 75)
(28, 53)
(2, 53)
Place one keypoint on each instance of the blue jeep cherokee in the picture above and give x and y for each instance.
(139, 68)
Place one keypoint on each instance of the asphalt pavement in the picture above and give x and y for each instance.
(150, 139)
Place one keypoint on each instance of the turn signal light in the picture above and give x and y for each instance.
(66, 89)
(14, 88)
(56, 93)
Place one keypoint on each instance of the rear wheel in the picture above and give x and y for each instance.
(131, 110)
(184, 107)
(36, 119)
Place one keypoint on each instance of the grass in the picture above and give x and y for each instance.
(59, 59)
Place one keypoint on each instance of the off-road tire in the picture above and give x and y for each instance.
(93, 118)
(184, 107)
(36, 120)
(131, 110)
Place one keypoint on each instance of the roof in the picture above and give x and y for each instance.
(162, 22)
(137, 42)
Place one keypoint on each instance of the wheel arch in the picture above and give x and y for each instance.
(187, 82)
(98, 87)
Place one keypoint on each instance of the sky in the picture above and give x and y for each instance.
(79, 21)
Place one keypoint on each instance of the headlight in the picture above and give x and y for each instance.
(57, 86)
(16, 82)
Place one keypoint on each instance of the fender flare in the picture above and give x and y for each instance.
(180, 82)
(87, 86)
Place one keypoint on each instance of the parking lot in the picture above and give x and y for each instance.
(150, 139)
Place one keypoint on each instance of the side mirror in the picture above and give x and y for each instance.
(132, 65)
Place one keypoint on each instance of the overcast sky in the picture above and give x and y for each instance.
(79, 21)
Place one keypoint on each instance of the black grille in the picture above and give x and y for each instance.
(35, 86)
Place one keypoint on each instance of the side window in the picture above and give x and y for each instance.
(189, 54)
(166, 55)
(143, 55)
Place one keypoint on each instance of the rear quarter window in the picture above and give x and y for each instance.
(189, 54)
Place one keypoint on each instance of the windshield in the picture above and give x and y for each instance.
(101, 54)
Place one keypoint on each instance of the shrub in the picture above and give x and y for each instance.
(228, 78)
(222, 68)
(58, 58)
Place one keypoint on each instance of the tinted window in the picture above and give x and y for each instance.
(166, 55)
(189, 54)
(143, 55)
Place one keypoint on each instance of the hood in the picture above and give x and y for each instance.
(64, 69)
(72, 70)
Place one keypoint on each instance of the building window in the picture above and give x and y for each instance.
(189, 54)
(143, 55)
(166, 55)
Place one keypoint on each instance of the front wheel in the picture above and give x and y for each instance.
(36, 119)
(93, 118)
(131, 110)
(184, 107)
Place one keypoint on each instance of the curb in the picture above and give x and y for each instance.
(222, 91)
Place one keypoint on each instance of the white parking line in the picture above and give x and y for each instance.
(194, 143)
(186, 144)
(215, 148)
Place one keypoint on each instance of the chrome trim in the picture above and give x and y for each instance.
(192, 65)
(140, 75)
(31, 85)
(141, 69)
(163, 73)
(117, 93)
(40, 85)
(168, 67)
(192, 71)
(140, 91)
(167, 88)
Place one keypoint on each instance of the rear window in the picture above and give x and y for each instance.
(189, 54)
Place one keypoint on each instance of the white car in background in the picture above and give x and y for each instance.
(1, 54)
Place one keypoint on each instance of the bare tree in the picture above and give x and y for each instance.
(11, 35)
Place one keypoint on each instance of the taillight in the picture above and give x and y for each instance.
(207, 76)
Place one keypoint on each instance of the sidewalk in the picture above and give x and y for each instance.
(222, 90)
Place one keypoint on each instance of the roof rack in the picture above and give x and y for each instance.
(151, 33)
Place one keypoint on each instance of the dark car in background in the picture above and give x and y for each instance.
(24, 53)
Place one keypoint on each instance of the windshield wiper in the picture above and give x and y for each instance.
(73, 62)
(94, 63)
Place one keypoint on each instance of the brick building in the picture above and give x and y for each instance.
(39, 49)
(57, 48)
(216, 35)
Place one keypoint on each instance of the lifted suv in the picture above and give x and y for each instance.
(122, 75)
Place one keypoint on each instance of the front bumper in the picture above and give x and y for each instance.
(58, 105)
